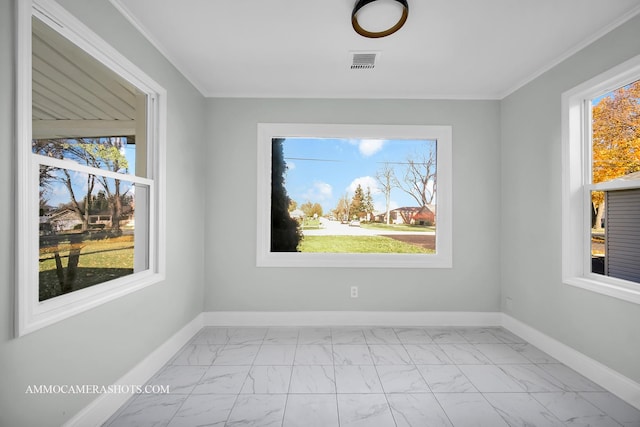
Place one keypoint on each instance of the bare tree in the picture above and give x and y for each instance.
(62, 149)
(342, 209)
(81, 211)
(386, 177)
(100, 153)
(107, 153)
(420, 171)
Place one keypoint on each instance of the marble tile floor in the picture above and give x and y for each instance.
(370, 377)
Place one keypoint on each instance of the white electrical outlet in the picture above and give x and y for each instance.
(354, 292)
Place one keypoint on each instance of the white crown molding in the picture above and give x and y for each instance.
(147, 34)
(330, 95)
(475, 96)
(573, 50)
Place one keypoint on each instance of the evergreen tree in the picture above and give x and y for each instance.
(285, 234)
(99, 204)
(368, 204)
(357, 208)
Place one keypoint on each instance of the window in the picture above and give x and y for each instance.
(601, 188)
(90, 149)
(354, 196)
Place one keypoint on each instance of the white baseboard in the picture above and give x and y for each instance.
(351, 318)
(103, 407)
(613, 381)
(99, 411)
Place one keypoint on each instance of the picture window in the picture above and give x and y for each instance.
(354, 196)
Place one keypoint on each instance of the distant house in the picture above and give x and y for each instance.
(100, 220)
(622, 231)
(296, 214)
(410, 215)
(62, 220)
(67, 219)
(424, 216)
(379, 216)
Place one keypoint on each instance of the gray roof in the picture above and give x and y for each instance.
(630, 177)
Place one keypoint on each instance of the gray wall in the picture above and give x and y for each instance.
(99, 346)
(507, 226)
(235, 283)
(601, 327)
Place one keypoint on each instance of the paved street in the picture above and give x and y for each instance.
(335, 228)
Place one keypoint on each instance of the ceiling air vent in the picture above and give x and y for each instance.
(363, 60)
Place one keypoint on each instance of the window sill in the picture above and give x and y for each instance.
(321, 260)
(48, 312)
(613, 289)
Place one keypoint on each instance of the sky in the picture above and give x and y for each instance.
(322, 170)
(57, 193)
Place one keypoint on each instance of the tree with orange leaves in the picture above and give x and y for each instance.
(616, 140)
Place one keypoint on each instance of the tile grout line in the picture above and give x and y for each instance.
(386, 398)
(427, 382)
(569, 385)
(335, 379)
(293, 364)
(235, 401)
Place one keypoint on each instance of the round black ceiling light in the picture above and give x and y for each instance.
(362, 5)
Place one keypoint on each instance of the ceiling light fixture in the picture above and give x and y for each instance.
(377, 34)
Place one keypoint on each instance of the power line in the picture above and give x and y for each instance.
(403, 163)
(313, 160)
(342, 161)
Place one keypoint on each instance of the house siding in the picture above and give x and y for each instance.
(623, 234)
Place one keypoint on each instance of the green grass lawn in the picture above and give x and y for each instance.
(397, 227)
(358, 245)
(100, 261)
(310, 224)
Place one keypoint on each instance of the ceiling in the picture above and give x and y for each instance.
(453, 49)
(74, 95)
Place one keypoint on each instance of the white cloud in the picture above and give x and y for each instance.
(369, 147)
(365, 182)
(320, 192)
(291, 166)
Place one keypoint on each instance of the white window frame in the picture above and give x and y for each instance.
(31, 314)
(577, 186)
(443, 258)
